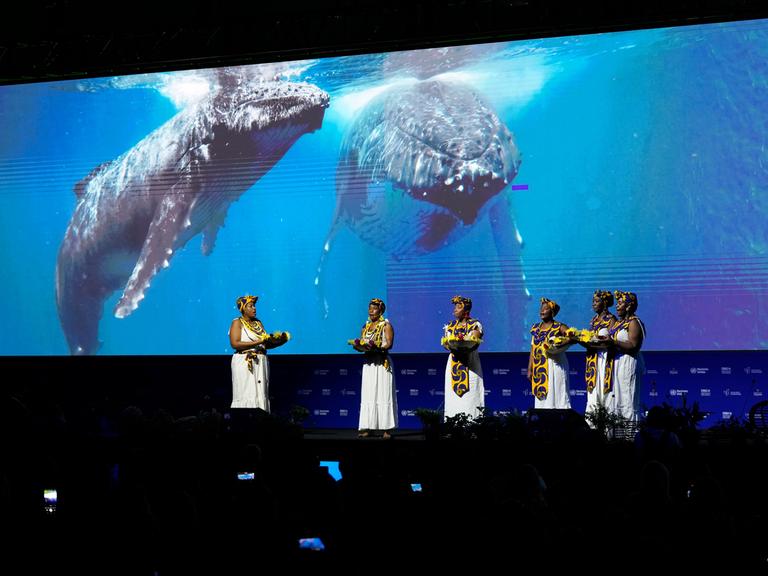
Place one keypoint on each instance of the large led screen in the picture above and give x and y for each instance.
(134, 210)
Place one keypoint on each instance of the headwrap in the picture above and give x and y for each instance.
(629, 297)
(378, 302)
(554, 306)
(243, 301)
(605, 296)
(465, 301)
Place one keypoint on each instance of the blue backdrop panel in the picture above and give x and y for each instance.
(725, 384)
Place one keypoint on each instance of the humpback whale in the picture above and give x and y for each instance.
(134, 212)
(418, 167)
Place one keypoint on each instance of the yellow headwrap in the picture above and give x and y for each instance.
(467, 302)
(605, 296)
(628, 297)
(554, 306)
(378, 302)
(243, 301)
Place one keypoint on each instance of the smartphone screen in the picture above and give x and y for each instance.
(50, 499)
(245, 475)
(311, 544)
(333, 468)
(415, 487)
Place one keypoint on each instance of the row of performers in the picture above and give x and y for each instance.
(614, 362)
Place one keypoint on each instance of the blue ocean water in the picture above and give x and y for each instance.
(644, 168)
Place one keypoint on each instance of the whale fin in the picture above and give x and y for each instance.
(171, 217)
(211, 231)
(509, 245)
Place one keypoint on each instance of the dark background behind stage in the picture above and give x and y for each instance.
(57, 39)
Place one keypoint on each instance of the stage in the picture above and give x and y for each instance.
(724, 384)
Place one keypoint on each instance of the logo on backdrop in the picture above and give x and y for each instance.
(695, 370)
(413, 391)
(321, 372)
(409, 371)
(725, 369)
(501, 371)
(431, 371)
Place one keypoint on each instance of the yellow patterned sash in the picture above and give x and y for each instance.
(459, 370)
(257, 329)
(540, 376)
(590, 374)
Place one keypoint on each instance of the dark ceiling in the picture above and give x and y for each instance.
(65, 39)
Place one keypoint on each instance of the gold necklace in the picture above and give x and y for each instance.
(254, 326)
(372, 330)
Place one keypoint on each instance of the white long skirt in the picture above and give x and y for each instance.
(250, 390)
(597, 396)
(627, 375)
(470, 402)
(378, 400)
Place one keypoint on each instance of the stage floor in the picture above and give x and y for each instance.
(348, 434)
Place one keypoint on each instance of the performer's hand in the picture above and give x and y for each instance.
(528, 374)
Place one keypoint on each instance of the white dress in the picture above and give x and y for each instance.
(250, 389)
(473, 399)
(558, 393)
(378, 400)
(627, 376)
